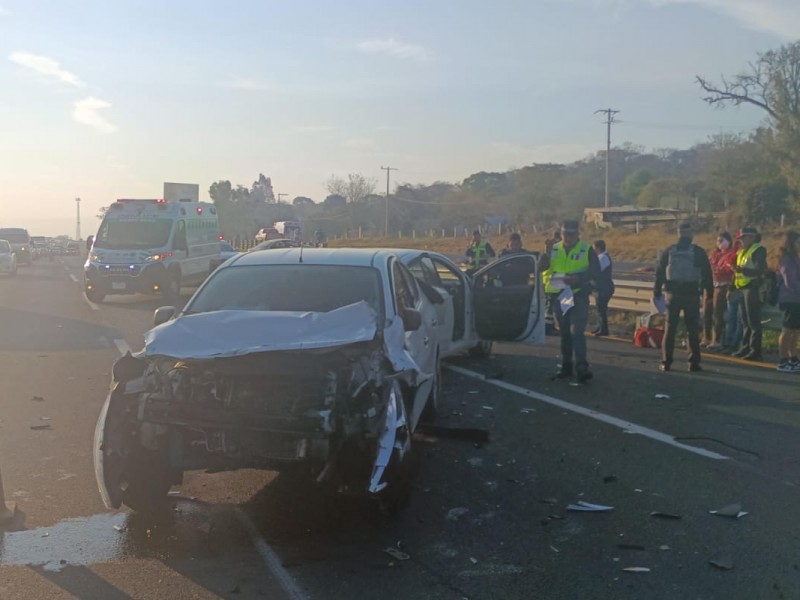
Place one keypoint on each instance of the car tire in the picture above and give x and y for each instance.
(432, 404)
(95, 296)
(171, 292)
(482, 349)
(149, 481)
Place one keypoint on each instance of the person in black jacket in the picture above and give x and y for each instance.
(683, 272)
(604, 286)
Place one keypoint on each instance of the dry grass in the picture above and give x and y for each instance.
(623, 245)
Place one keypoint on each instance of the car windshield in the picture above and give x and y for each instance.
(15, 237)
(139, 233)
(5, 247)
(295, 287)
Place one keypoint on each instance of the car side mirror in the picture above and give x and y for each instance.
(412, 319)
(163, 314)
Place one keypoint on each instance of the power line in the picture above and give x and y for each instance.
(386, 215)
(610, 112)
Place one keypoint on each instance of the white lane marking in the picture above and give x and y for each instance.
(626, 426)
(72, 276)
(122, 346)
(271, 560)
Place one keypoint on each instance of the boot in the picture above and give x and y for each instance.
(565, 372)
(583, 373)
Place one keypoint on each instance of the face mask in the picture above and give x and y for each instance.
(724, 244)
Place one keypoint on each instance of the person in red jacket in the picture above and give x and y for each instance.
(722, 260)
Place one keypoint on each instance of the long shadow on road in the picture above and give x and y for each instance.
(36, 332)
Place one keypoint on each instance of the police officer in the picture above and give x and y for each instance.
(479, 251)
(571, 266)
(684, 272)
(750, 267)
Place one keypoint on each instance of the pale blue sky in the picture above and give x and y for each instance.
(110, 99)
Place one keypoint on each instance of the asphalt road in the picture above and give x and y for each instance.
(485, 520)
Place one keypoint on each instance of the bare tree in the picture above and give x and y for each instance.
(355, 188)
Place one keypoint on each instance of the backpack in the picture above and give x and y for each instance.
(768, 291)
(681, 267)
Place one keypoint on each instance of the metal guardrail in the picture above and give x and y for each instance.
(636, 296)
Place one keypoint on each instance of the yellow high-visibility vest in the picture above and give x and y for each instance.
(577, 261)
(744, 259)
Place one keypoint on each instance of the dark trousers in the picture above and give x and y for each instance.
(751, 340)
(714, 308)
(572, 325)
(603, 298)
(690, 305)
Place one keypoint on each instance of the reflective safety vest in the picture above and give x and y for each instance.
(577, 261)
(479, 255)
(744, 259)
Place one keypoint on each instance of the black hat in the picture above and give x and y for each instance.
(749, 230)
(570, 226)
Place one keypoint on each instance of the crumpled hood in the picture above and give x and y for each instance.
(228, 333)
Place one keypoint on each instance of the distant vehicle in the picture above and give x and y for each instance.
(226, 250)
(281, 230)
(8, 259)
(152, 246)
(272, 244)
(20, 242)
(73, 248)
(39, 246)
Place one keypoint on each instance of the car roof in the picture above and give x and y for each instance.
(359, 257)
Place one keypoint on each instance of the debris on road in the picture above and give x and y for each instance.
(527, 411)
(554, 549)
(475, 461)
(722, 561)
(454, 514)
(664, 547)
(205, 528)
(470, 434)
(625, 546)
(473, 560)
(609, 479)
(582, 506)
(44, 418)
(636, 570)
(662, 396)
(732, 510)
(664, 515)
(395, 553)
(37, 399)
(551, 501)
(45, 426)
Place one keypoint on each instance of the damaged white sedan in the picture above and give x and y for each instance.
(316, 360)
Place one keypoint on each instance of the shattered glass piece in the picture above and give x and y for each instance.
(395, 553)
(582, 506)
(732, 510)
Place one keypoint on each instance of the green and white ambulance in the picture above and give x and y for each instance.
(152, 247)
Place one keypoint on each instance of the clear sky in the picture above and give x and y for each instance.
(105, 99)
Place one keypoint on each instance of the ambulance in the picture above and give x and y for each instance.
(153, 246)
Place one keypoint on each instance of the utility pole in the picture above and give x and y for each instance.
(610, 112)
(78, 221)
(386, 217)
(279, 196)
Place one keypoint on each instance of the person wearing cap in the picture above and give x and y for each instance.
(479, 251)
(750, 267)
(684, 272)
(575, 264)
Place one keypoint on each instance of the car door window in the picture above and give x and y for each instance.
(504, 294)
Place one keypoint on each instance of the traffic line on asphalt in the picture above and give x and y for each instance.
(625, 426)
(72, 276)
(271, 559)
(122, 346)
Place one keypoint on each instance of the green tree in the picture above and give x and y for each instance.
(631, 186)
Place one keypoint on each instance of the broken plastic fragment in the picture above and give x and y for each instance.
(45, 426)
(473, 560)
(526, 411)
(636, 570)
(589, 507)
(554, 549)
(664, 547)
(663, 515)
(732, 510)
(662, 396)
(722, 561)
(487, 407)
(395, 553)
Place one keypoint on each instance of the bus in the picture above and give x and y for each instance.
(152, 246)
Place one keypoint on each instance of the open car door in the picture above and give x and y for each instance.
(508, 300)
